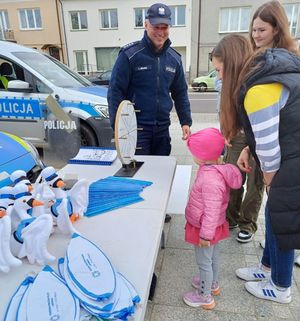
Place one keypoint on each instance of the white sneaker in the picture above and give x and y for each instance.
(297, 260)
(267, 290)
(262, 243)
(256, 273)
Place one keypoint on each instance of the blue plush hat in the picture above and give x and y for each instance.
(159, 13)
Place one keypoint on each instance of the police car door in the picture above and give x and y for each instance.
(22, 111)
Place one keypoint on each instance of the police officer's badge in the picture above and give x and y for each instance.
(161, 11)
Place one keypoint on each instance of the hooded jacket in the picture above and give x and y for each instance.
(209, 197)
(146, 78)
(281, 66)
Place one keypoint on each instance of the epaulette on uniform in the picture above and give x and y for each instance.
(132, 48)
(175, 54)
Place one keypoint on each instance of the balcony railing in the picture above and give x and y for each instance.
(9, 35)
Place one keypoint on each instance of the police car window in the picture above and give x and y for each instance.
(7, 73)
(54, 71)
(37, 85)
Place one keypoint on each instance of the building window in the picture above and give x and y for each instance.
(234, 19)
(4, 22)
(54, 52)
(109, 19)
(178, 15)
(140, 14)
(82, 63)
(78, 20)
(293, 14)
(106, 58)
(30, 18)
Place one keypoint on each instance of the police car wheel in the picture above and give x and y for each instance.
(87, 136)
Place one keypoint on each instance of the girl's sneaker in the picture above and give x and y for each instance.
(215, 289)
(195, 300)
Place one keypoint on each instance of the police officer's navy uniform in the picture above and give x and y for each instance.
(146, 77)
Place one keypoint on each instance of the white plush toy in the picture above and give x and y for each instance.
(30, 234)
(20, 176)
(7, 197)
(77, 197)
(7, 260)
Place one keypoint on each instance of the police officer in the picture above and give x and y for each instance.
(146, 72)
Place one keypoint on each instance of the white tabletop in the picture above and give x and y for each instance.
(130, 236)
(157, 169)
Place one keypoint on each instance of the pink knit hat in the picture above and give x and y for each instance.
(206, 144)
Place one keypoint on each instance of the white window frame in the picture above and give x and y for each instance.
(144, 12)
(295, 12)
(175, 18)
(79, 20)
(26, 10)
(4, 20)
(109, 11)
(229, 19)
(86, 67)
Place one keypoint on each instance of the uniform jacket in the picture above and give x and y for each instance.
(147, 78)
(209, 197)
(281, 66)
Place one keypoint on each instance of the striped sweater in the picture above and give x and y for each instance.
(263, 104)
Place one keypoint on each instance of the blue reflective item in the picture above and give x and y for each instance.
(114, 192)
(50, 299)
(15, 301)
(89, 268)
(96, 305)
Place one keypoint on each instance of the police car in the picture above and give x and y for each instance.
(17, 154)
(28, 78)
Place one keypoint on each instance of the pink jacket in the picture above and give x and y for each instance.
(209, 197)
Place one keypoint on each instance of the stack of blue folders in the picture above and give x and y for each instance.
(114, 192)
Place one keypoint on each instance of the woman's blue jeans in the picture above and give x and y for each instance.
(281, 262)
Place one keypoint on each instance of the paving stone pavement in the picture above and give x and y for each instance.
(176, 265)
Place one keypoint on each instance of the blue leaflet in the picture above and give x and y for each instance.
(101, 208)
(114, 192)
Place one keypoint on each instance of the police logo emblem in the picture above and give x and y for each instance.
(161, 11)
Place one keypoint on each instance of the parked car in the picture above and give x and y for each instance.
(101, 79)
(18, 154)
(205, 83)
(31, 78)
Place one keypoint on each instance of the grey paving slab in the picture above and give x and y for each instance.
(174, 313)
(176, 233)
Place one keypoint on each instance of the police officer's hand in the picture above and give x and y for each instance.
(186, 132)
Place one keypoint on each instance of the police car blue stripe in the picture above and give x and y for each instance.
(85, 107)
(20, 108)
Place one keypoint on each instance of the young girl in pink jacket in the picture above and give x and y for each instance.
(205, 212)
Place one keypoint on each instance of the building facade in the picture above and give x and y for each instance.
(36, 24)
(213, 19)
(87, 34)
(96, 30)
